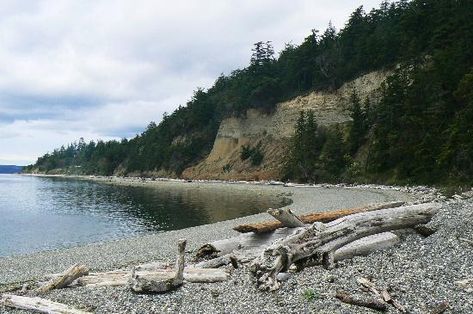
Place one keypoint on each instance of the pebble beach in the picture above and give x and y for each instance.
(419, 272)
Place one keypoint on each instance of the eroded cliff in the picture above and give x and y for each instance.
(273, 131)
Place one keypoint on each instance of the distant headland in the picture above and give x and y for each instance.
(10, 169)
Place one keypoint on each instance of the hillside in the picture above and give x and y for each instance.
(274, 131)
(296, 116)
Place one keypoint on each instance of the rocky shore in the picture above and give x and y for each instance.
(420, 272)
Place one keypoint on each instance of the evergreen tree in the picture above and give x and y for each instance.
(358, 126)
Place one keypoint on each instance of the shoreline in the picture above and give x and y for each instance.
(160, 246)
(417, 270)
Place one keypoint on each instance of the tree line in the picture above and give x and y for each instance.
(419, 132)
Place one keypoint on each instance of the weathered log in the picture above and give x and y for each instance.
(286, 217)
(38, 305)
(366, 245)
(65, 279)
(215, 262)
(268, 226)
(164, 282)
(384, 294)
(317, 244)
(243, 242)
(121, 277)
(359, 247)
(371, 303)
(368, 284)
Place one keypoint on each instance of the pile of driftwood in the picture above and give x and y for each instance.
(269, 249)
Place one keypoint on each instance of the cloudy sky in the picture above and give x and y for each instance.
(104, 69)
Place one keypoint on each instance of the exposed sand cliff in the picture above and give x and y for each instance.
(273, 131)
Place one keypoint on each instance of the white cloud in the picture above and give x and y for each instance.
(97, 68)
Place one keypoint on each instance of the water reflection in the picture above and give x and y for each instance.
(39, 213)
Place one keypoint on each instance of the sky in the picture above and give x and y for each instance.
(103, 69)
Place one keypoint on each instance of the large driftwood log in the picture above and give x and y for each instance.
(163, 282)
(359, 247)
(268, 226)
(244, 242)
(38, 305)
(65, 279)
(317, 244)
(286, 217)
(121, 277)
(366, 245)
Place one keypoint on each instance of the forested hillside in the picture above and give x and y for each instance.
(419, 132)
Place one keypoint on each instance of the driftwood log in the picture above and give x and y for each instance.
(359, 247)
(121, 277)
(286, 217)
(37, 305)
(250, 242)
(268, 226)
(366, 245)
(317, 244)
(380, 293)
(163, 282)
(245, 242)
(65, 279)
(371, 303)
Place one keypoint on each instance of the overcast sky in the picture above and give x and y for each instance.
(105, 69)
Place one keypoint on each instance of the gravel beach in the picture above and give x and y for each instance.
(420, 272)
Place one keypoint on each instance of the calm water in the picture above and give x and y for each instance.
(46, 213)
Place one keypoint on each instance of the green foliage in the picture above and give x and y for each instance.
(309, 294)
(316, 154)
(255, 154)
(257, 157)
(227, 168)
(245, 152)
(359, 125)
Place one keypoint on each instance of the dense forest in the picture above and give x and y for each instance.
(419, 132)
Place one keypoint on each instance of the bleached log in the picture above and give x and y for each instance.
(163, 282)
(244, 242)
(65, 279)
(121, 277)
(366, 245)
(359, 247)
(37, 305)
(318, 243)
(323, 216)
(286, 217)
